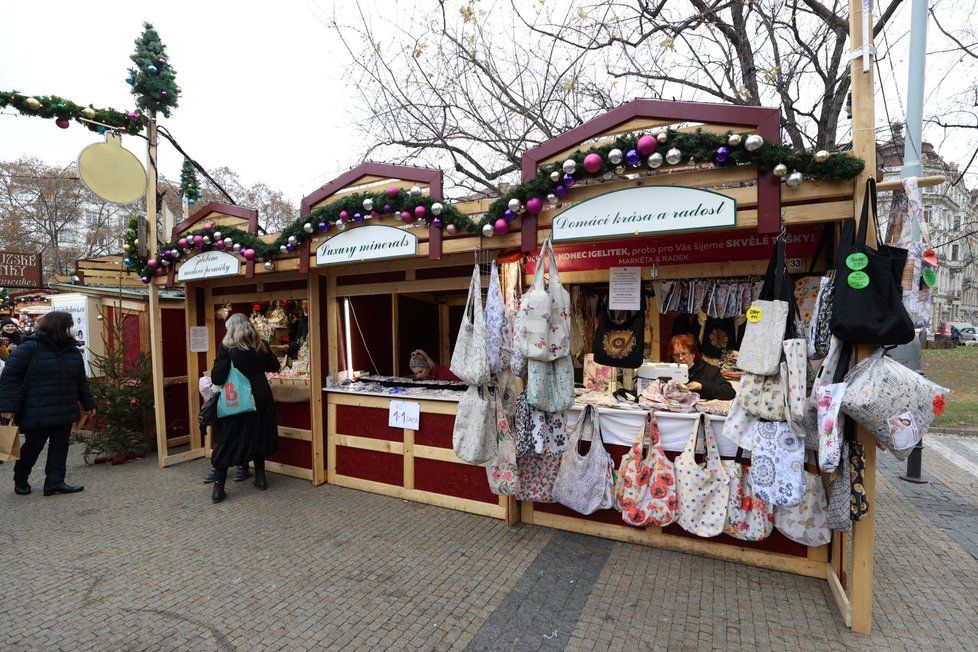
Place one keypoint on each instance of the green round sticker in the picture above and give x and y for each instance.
(857, 261)
(930, 278)
(858, 280)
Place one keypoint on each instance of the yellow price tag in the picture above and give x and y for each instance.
(755, 315)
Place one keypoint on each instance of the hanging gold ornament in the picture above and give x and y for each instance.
(780, 170)
(821, 156)
(734, 140)
(88, 112)
(32, 103)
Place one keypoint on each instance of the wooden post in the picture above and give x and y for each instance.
(155, 330)
(315, 316)
(864, 147)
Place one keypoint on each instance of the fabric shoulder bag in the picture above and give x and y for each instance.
(550, 385)
(749, 518)
(768, 322)
(545, 318)
(703, 491)
(619, 342)
(648, 496)
(235, 397)
(470, 359)
(474, 436)
(807, 522)
(502, 472)
(582, 480)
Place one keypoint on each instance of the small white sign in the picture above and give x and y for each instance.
(371, 242)
(404, 414)
(625, 288)
(199, 339)
(210, 264)
(77, 305)
(644, 210)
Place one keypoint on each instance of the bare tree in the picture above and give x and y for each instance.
(477, 85)
(275, 212)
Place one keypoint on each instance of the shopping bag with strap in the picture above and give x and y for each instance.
(236, 396)
(807, 522)
(474, 435)
(545, 318)
(648, 484)
(538, 473)
(703, 491)
(9, 442)
(768, 320)
(748, 517)
(777, 462)
(470, 358)
(582, 481)
(501, 471)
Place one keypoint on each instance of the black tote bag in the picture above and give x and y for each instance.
(619, 342)
(868, 299)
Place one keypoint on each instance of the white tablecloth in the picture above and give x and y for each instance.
(620, 427)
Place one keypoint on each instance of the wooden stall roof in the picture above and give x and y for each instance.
(107, 271)
(137, 293)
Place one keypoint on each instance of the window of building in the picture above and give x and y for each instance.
(955, 252)
(956, 222)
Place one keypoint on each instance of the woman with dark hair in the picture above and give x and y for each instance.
(241, 438)
(704, 378)
(41, 387)
(11, 331)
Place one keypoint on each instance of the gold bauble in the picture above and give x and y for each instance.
(32, 103)
(662, 137)
(734, 140)
(125, 247)
(178, 89)
(88, 112)
(780, 170)
(821, 156)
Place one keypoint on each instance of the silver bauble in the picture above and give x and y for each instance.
(555, 176)
(780, 170)
(283, 249)
(570, 166)
(606, 175)
(615, 156)
(487, 231)
(673, 156)
(292, 239)
(415, 191)
(753, 143)
(514, 205)
(164, 262)
(655, 160)
(795, 179)
(236, 246)
(228, 242)
(821, 156)
(436, 209)
(734, 140)
(307, 227)
(217, 236)
(619, 169)
(552, 198)
(368, 205)
(340, 224)
(269, 265)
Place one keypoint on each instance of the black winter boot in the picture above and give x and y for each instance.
(261, 481)
(220, 477)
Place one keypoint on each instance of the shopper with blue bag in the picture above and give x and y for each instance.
(246, 429)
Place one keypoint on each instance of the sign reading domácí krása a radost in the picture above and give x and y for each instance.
(645, 210)
(372, 242)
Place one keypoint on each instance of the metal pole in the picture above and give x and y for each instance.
(912, 166)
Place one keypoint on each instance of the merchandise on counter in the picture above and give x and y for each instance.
(670, 396)
(714, 406)
(597, 377)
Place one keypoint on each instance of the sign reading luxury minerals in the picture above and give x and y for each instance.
(372, 242)
(645, 210)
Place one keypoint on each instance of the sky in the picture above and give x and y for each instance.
(261, 93)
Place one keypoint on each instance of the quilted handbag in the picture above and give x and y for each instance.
(550, 385)
(840, 496)
(545, 322)
(537, 475)
(777, 462)
(499, 335)
(647, 484)
(582, 481)
(807, 522)
(829, 432)
(739, 425)
(703, 491)
(619, 342)
(767, 319)
(470, 358)
(796, 378)
(474, 435)
(502, 472)
(892, 402)
(748, 517)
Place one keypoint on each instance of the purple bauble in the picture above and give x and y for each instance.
(219, 244)
(646, 145)
(344, 216)
(419, 212)
(534, 205)
(164, 94)
(560, 191)
(144, 279)
(387, 209)
(723, 153)
(437, 223)
(592, 163)
(323, 227)
(62, 122)
(132, 115)
(509, 215)
(407, 217)
(198, 240)
(208, 226)
(392, 191)
(358, 217)
(633, 158)
(152, 264)
(502, 226)
(568, 180)
(166, 255)
(249, 254)
(290, 247)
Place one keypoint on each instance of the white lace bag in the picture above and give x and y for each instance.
(470, 359)
(544, 322)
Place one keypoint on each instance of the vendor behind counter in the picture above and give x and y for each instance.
(704, 378)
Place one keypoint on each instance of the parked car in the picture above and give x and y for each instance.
(957, 331)
(968, 334)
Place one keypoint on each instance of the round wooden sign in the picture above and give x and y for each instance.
(111, 171)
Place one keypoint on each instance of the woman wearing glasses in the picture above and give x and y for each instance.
(704, 378)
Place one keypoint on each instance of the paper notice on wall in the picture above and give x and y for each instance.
(199, 337)
(625, 288)
(404, 414)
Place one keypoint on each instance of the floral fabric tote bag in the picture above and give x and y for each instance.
(648, 485)
(545, 318)
(582, 481)
(470, 359)
(748, 517)
(474, 435)
(703, 491)
(502, 472)
(807, 522)
(777, 462)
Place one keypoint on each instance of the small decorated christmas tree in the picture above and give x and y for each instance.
(153, 80)
(189, 186)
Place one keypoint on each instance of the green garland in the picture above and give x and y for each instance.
(58, 108)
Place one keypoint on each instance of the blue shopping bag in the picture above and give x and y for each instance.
(236, 396)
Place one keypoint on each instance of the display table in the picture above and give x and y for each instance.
(364, 452)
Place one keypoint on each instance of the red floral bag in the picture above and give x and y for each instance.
(646, 490)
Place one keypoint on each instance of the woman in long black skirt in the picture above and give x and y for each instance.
(251, 436)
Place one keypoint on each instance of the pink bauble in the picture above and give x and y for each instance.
(344, 216)
(646, 145)
(419, 212)
(392, 191)
(592, 163)
(183, 243)
(502, 226)
(198, 240)
(62, 122)
(219, 244)
(249, 254)
(451, 229)
(534, 205)
(374, 214)
(407, 217)
(152, 263)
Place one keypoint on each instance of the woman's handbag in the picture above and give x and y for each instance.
(806, 523)
(748, 517)
(740, 424)
(537, 475)
(545, 319)
(647, 486)
(868, 300)
(499, 335)
(502, 472)
(582, 481)
(619, 342)
(208, 411)
(474, 435)
(763, 396)
(777, 462)
(768, 322)
(703, 491)
(892, 402)
(550, 385)
(236, 396)
(470, 359)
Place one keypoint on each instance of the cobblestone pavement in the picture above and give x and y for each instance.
(141, 560)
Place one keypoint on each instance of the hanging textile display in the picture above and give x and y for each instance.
(906, 229)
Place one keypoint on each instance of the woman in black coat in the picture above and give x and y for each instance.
(41, 387)
(704, 378)
(249, 436)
